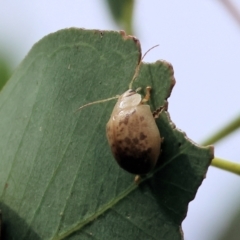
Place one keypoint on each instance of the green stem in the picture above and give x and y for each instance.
(128, 16)
(232, 126)
(218, 162)
(226, 165)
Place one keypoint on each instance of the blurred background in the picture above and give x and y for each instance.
(201, 39)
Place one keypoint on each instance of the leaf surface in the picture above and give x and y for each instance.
(58, 179)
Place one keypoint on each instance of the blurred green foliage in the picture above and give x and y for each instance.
(232, 231)
(122, 12)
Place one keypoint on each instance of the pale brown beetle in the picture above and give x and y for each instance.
(132, 132)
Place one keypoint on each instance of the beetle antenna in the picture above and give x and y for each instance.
(95, 102)
(148, 52)
(138, 66)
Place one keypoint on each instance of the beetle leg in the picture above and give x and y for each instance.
(147, 96)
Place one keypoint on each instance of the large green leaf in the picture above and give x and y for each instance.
(58, 178)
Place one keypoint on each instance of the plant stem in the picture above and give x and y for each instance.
(226, 165)
(232, 126)
(218, 162)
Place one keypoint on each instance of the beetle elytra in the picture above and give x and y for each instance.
(132, 133)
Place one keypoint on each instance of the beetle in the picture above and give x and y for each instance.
(132, 133)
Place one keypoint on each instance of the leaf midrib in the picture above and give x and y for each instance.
(109, 205)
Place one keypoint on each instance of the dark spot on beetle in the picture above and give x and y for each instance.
(120, 141)
(127, 140)
(135, 141)
(121, 129)
(134, 158)
(142, 136)
(113, 147)
(125, 121)
(141, 118)
(149, 150)
(135, 161)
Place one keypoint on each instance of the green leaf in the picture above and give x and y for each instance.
(58, 179)
(122, 12)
